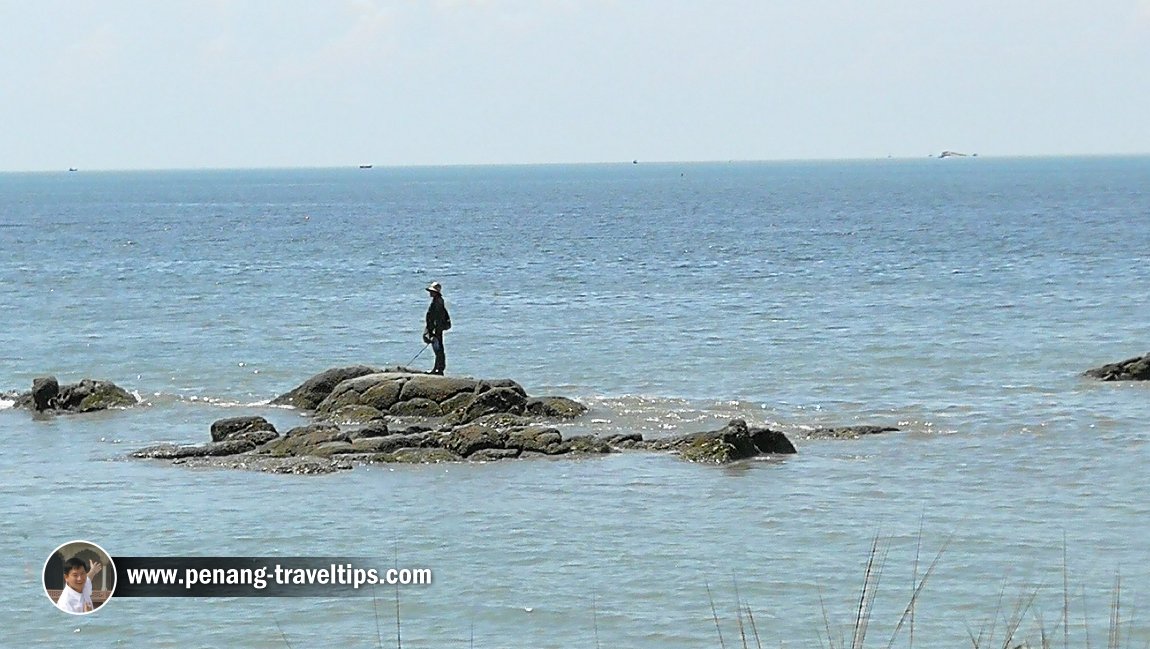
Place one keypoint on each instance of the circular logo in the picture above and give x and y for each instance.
(79, 577)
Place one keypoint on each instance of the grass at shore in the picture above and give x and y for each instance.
(1016, 623)
(1021, 625)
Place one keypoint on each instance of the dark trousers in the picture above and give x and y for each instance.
(440, 354)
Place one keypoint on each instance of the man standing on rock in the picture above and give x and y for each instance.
(438, 321)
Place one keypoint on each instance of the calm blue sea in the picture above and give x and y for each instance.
(958, 299)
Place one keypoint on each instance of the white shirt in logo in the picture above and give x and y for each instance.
(74, 602)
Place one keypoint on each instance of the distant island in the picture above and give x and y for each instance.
(956, 154)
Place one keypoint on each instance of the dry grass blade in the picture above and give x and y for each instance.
(1016, 618)
(742, 629)
(874, 566)
(1065, 597)
(826, 621)
(398, 630)
(1115, 637)
(918, 588)
(375, 608)
(974, 641)
(1085, 618)
(739, 611)
(1043, 639)
(754, 628)
(282, 634)
(715, 615)
(595, 621)
(913, 579)
(994, 618)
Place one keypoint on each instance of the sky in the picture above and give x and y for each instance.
(146, 84)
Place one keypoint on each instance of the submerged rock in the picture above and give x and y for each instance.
(733, 442)
(417, 456)
(211, 449)
(1131, 369)
(847, 432)
(263, 463)
(88, 395)
(556, 407)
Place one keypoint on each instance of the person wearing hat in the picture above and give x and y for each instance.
(438, 321)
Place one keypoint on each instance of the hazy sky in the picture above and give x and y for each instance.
(273, 83)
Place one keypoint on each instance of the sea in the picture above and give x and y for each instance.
(956, 299)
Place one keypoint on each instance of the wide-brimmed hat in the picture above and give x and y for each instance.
(435, 288)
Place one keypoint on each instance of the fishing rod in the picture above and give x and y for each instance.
(417, 355)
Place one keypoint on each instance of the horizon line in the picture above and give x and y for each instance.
(368, 166)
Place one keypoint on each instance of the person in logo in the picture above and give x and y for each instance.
(438, 321)
(76, 597)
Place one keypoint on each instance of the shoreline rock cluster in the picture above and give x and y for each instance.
(1131, 369)
(358, 410)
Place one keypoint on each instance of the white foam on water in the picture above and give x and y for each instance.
(6, 404)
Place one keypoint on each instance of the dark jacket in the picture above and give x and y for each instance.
(438, 320)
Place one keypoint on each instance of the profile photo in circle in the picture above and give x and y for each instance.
(79, 577)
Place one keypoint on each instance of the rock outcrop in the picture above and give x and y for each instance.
(363, 416)
(88, 395)
(360, 393)
(1132, 369)
(251, 443)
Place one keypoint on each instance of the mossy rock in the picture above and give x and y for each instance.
(474, 437)
(418, 456)
(555, 407)
(390, 443)
(354, 414)
(373, 428)
(89, 395)
(435, 387)
(106, 399)
(587, 445)
(714, 450)
(494, 400)
(383, 395)
(328, 449)
(494, 455)
(379, 390)
(548, 441)
(502, 420)
(312, 392)
(236, 427)
(418, 407)
(1132, 369)
(458, 402)
(211, 449)
(304, 440)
